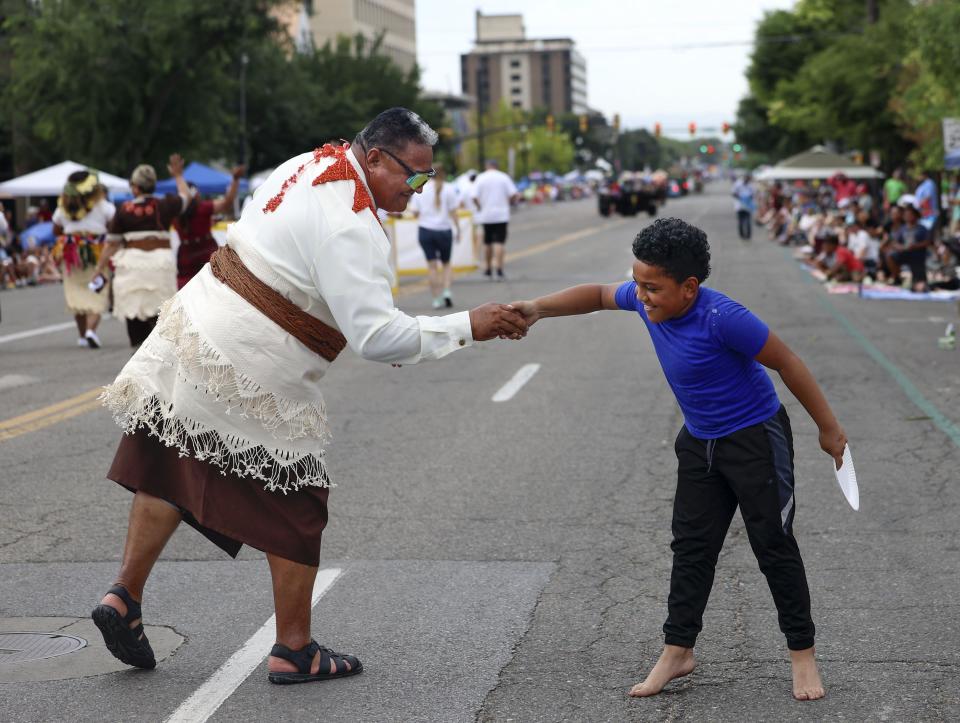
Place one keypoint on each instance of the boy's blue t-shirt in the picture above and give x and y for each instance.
(707, 356)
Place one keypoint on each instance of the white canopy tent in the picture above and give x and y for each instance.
(257, 179)
(50, 181)
(816, 163)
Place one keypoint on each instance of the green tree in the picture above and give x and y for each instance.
(844, 92)
(117, 82)
(765, 141)
(114, 83)
(638, 149)
(825, 71)
(929, 85)
(298, 103)
(534, 147)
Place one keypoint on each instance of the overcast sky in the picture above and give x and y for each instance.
(637, 64)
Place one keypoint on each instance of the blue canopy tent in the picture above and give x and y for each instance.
(208, 181)
(40, 234)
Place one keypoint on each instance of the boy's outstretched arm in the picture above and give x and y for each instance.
(581, 299)
(778, 356)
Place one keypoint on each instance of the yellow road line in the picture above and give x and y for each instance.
(576, 235)
(9, 432)
(82, 403)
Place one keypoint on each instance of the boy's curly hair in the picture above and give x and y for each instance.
(675, 246)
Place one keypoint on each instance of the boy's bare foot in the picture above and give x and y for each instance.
(674, 662)
(806, 678)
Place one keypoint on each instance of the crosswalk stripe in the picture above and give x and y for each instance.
(211, 695)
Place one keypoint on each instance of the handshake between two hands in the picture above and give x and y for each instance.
(503, 321)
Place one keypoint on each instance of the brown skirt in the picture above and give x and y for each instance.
(227, 509)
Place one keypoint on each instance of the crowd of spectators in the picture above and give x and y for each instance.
(856, 232)
(26, 260)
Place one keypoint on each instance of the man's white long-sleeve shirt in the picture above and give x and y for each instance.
(340, 260)
(223, 383)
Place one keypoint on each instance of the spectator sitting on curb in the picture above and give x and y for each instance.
(810, 222)
(864, 246)
(909, 247)
(840, 263)
(824, 249)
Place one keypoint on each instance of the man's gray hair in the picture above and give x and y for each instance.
(394, 129)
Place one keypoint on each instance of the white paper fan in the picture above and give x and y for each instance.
(847, 479)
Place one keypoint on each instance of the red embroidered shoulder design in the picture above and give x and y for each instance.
(340, 170)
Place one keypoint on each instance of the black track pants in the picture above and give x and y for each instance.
(752, 468)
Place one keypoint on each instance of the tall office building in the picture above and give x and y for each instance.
(527, 73)
(395, 18)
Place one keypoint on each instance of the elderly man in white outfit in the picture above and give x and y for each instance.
(222, 406)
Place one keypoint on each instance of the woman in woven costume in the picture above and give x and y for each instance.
(145, 272)
(80, 225)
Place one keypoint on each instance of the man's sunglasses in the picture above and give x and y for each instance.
(416, 179)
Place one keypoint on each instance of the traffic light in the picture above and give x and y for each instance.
(550, 123)
(710, 149)
(726, 128)
(737, 148)
(657, 129)
(703, 148)
(616, 122)
(693, 128)
(584, 123)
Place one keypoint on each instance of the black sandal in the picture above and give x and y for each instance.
(303, 659)
(127, 644)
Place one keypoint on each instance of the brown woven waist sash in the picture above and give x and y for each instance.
(148, 244)
(318, 337)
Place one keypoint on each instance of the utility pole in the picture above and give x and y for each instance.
(873, 11)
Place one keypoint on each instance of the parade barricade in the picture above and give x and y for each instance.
(408, 256)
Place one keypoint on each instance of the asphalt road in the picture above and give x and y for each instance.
(510, 560)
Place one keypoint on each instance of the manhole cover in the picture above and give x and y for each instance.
(21, 647)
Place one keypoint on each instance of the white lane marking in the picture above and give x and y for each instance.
(37, 332)
(523, 375)
(9, 381)
(915, 319)
(210, 696)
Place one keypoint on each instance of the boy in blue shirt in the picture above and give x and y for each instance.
(735, 448)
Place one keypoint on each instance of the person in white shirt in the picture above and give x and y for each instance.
(80, 225)
(222, 407)
(493, 192)
(436, 212)
(863, 245)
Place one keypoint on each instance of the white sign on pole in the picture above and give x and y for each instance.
(951, 142)
(951, 135)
